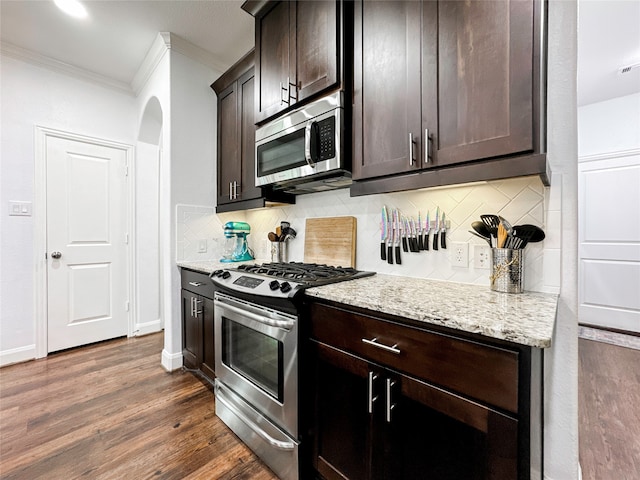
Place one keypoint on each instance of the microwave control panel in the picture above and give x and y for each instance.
(327, 138)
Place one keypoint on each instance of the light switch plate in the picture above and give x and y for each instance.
(21, 209)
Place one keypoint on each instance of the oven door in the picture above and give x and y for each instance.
(256, 357)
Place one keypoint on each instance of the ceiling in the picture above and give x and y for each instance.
(113, 41)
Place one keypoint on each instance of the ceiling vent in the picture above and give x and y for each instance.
(628, 68)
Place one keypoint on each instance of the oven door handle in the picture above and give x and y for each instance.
(310, 142)
(288, 446)
(283, 324)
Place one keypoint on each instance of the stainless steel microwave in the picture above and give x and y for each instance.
(303, 151)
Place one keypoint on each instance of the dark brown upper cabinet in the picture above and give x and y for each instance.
(236, 188)
(450, 91)
(298, 45)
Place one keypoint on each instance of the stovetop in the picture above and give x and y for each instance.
(281, 280)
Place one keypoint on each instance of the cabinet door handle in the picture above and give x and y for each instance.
(284, 89)
(371, 399)
(192, 306)
(195, 307)
(196, 284)
(412, 142)
(230, 190)
(427, 146)
(235, 190)
(387, 348)
(390, 404)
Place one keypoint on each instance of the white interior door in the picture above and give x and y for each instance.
(86, 229)
(609, 236)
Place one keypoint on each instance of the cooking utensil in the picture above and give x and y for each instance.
(436, 230)
(384, 232)
(488, 240)
(528, 233)
(272, 237)
(502, 235)
(413, 243)
(396, 235)
(443, 231)
(482, 230)
(405, 240)
(538, 233)
(427, 229)
(419, 232)
(491, 222)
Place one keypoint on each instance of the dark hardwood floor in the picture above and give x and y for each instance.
(109, 411)
(609, 411)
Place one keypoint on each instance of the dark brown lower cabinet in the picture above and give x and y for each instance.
(197, 323)
(376, 423)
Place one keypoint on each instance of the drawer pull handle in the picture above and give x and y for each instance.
(387, 348)
(196, 284)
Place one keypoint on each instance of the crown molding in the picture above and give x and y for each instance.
(196, 53)
(44, 61)
(159, 48)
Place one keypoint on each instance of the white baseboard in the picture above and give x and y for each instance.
(147, 328)
(171, 361)
(17, 355)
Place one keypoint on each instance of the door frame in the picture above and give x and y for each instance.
(40, 228)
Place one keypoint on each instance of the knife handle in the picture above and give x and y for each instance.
(420, 244)
(404, 244)
(426, 241)
(443, 240)
(435, 240)
(383, 251)
(398, 259)
(390, 254)
(414, 244)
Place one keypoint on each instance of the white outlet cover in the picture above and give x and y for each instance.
(459, 254)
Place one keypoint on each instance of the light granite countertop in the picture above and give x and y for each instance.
(526, 318)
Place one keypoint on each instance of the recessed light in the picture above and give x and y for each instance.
(72, 7)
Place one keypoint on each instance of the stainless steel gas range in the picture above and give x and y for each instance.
(256, 331)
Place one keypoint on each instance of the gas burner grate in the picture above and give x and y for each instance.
(309, 273)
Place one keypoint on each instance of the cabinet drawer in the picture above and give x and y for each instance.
(197, 282)
(483, 372)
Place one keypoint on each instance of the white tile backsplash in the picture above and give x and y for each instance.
(520, 200)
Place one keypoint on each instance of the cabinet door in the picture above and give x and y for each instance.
(386, 93)
(484, 81)
(342, 443)
(273, 73)
(229, 168)
(191, 330)
(208, 352)
(431, 433)
(247, 189)
(316, 46)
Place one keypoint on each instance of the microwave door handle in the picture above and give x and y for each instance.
(308, 139)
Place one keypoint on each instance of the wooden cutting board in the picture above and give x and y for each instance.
(330, 241)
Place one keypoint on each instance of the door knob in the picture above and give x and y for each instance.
(56, 255)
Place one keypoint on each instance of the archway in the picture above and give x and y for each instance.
(148, 248)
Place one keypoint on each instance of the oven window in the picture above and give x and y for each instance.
(254, 355)
(281, 154)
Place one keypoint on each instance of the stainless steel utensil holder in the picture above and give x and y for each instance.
(507, 270)
(279, 252)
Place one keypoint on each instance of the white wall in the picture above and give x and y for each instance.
(561, 360)
(192, 173)
(610, 126)
(32, 96)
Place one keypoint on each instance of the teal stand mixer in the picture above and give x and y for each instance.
(236, 248)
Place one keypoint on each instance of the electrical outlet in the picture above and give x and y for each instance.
(482, 257)
(459, 254)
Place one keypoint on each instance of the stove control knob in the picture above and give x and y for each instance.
(226, 274)
(217, 273)
(274, 285)
(285, 287)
